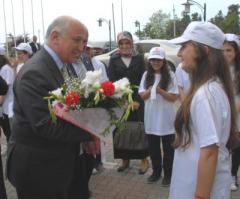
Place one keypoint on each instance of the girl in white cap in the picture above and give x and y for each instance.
(159, 90)
(231, 49)
(205, 121)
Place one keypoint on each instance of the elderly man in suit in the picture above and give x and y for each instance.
(34, 45)
(42, 154)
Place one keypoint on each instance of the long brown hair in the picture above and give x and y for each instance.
(209, 64)
(165, 76)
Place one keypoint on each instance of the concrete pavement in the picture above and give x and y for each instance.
(110, 184)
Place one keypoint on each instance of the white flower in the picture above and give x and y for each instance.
(57, 92)
(122, 87)
(92, 78)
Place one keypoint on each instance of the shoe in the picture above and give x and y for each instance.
(99, 167)
(166, 181)
(234, 185)
(143, 167)
(94, 172)
(153, 178)
(125, 165)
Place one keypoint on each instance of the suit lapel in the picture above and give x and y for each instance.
(52, 67)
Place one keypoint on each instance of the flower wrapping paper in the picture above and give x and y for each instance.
(92, 120)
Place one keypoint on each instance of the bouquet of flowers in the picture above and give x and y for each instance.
(86, 103)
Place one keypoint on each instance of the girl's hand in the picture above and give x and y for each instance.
(159, 90)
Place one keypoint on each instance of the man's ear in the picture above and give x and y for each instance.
(54, 36)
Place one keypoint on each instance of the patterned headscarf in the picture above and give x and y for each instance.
(127, 36)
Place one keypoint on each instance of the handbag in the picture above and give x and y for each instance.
(131, 137)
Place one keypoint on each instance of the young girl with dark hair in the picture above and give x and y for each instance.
(231, 49)
(205, 121)
(159, 90)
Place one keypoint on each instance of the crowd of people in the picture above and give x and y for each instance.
(194, 146)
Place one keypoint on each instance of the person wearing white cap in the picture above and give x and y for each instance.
(24, 52)
(159, 90)
(205, 120)
(231, 50)
(98, 65)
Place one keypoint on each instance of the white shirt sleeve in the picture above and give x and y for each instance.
(203, 115)
(7, 74)
(99, 65)
(173, 87)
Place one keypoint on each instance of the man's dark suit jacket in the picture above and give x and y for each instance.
(41, 154)
(33, 46)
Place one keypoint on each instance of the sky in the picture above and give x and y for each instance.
(89, 11)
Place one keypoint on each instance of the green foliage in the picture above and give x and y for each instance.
(156, 28)
(229, 23)
(161, 26)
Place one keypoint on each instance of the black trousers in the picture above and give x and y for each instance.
(235, 161)
(83, 170)
(162, 158)
(3, 194)
(4, 122)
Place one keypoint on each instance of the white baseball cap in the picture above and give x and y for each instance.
(24, 47)
(232, 37)
(89, 45)
(156, 53)
(202, 32)
(2, 50)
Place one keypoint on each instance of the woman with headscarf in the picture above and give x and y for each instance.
(127, 63)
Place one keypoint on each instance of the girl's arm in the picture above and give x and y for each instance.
(146, 94)
(168, 96)
(207, 164)
(182, 94)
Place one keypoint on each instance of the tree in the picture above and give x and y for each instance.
(218, 20)
(231, 21)
(156, 28)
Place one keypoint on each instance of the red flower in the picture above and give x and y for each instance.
(107, 87)
(72, 98)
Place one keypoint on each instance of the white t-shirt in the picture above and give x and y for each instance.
(159, 113)
(182, 78)
(19, 66)
(210, 124)
(98, 65)
(8, 75)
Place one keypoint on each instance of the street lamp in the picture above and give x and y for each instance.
(100, 20)
(137, 24)
(191, 2)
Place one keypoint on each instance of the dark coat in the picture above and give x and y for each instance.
(41, 154)
(33, 46)
(117, 70)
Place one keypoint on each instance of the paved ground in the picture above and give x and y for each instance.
(109, 184)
